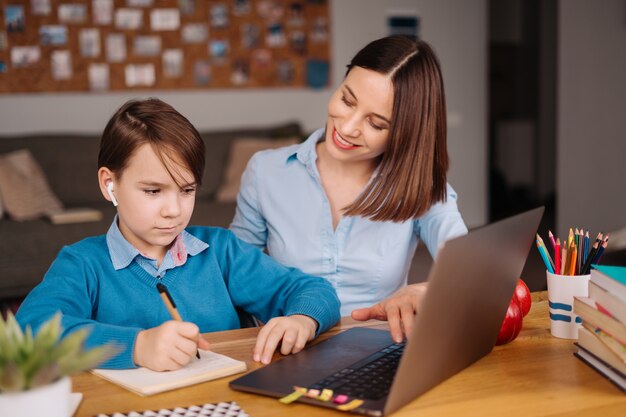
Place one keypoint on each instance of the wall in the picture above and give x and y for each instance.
(591, 148)
(457, 30)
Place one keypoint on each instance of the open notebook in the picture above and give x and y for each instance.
(144, 382)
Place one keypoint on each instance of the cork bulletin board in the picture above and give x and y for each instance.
(112, 45)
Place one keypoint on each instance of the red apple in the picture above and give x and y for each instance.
(512, 323)
(523, 296)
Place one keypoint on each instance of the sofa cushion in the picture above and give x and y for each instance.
(218, 144)
(241, 150)
(70, 163)
(24, 188)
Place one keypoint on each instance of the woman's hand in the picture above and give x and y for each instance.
(294, 331)
(399, 309)
(169, 346)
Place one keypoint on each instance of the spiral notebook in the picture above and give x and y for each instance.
(145, 382)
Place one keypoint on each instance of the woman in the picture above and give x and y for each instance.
(350, 203)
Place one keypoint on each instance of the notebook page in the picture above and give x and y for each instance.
(144, 381)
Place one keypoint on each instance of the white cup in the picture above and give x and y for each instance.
(564, 323)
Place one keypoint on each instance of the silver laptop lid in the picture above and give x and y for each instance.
(470, 286)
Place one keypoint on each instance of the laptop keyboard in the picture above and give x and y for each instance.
(368, 379)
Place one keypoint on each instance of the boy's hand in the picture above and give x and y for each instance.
(294, 331)
(399, 309)
(169, 346)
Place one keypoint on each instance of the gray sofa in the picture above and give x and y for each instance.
(70, 165)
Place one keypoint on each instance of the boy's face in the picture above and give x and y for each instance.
(152, 208)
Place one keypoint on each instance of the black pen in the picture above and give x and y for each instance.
(170, 305)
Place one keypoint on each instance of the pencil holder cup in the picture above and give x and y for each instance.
(562, 289)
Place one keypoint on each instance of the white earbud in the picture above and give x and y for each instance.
(110, 190)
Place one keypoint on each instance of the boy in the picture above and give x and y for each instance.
(150, 163)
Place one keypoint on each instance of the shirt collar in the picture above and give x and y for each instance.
(306, 152)
(123, 253)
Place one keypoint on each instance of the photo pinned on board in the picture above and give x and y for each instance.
(202, 72)
(172, 63)
(317, 73)
(147, 45)
(275, 36)
(319, 30)
(250, 35)
(25, 56)
(262, 58)
(52, 35)
(219, 49)
(164, 19)
(139, 3)
(89, 40)
(14, 18)
(102, 11)
(115, 46)
(194, 33)
(40, 7)
(72, 13)
(187, 7)
(61, 65)
(219, 16)
(128, 19)
(98, 75)
(285, 72)
(240, 73)
(295, 15)
(270, 10)
(139, 75)
(241, 7)
(297, 43)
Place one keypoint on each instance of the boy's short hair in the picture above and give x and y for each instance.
(154, 122)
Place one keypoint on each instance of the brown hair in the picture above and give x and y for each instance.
(151, 121)
(411, 175)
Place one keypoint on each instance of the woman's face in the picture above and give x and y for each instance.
(359, 116)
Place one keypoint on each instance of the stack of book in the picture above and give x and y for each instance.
(602, 339)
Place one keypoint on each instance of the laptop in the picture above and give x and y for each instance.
(469, 289)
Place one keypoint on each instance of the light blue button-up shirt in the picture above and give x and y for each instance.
(283, 207)
(123, 253)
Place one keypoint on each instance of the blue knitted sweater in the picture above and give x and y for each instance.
(83, 285)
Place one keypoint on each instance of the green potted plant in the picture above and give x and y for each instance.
(35, 370)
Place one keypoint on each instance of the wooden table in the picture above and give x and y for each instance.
(535, 375)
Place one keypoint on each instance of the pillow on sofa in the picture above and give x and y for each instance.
(241, 151)
(24, 188)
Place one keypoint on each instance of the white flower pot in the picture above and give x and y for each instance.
(52, 400)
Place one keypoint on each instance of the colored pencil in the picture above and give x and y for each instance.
(576, 234)
(601, 249)
(586, 247)
(543, 245)
(552, 242)
(570, 238)
(581, 249)
(557, 256)
(563, 258)
(544, 256)
(572, 268)
(590, 257)
(568, 262)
